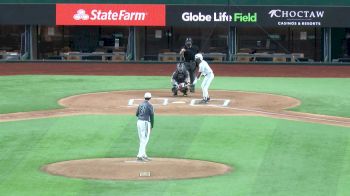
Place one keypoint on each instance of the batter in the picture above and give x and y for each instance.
(207, 72)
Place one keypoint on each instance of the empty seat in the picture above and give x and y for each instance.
(118, 57)
(217, 56)
(169, 57)
(242, 57)
(279, 57)
(73, 56)
(297, 57)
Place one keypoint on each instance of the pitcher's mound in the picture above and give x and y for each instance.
(130, 169)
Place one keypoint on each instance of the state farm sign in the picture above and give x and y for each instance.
(110, 14)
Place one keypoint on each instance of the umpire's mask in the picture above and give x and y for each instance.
(188, 42)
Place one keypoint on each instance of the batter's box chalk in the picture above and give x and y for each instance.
(178, 102)
(212, 102)
(145, 174)
(155, 101)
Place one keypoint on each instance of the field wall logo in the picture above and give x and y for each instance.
(219, 17)
(245, 18)
(109, 15)
(202, 17)
(81, 15)
(277, 13)
(297, 17)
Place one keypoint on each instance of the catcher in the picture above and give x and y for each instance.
(180, 80)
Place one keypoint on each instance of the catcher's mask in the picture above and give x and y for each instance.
(180, 67)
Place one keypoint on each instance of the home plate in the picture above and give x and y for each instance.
(179, 102)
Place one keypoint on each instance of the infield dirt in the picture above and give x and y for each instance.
(222, 103)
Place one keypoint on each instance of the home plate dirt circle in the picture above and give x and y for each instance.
(223, 102)
(130, 169)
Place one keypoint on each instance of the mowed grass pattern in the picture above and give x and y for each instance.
(330, 96)
(269, 156)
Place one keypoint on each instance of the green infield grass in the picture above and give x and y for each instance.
(330, 96)
(269, 156)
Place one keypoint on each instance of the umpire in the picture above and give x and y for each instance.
(188, 52)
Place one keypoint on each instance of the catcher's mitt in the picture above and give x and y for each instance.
(181, 86)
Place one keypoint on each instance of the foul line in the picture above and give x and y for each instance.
(266, 113)
(286, 115)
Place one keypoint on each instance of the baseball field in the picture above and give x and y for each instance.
(280, 129)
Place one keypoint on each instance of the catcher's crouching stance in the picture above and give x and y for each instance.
(180, 80)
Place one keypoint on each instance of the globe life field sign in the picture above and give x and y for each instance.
(240, 17)
(204, 15)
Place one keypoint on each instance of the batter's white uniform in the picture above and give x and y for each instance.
(208, 74)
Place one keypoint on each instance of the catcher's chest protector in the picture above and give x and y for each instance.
(180, 77)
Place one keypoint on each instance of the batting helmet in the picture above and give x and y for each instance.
(198, 56)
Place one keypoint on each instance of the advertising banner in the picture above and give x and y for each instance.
(27, 14)
(173, 15)
(110, 14)
(266, 16)
(188, 15)
(279, 16)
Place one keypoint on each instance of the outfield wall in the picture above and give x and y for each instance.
(220, 2)
(156, 32)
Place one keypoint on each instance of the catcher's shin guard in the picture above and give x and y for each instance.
(184, 90)
(174, 90)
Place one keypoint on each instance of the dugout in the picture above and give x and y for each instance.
(227, 31)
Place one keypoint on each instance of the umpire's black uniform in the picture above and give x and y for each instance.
(189, 53)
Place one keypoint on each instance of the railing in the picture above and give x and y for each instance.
(274, 57)
(169, 57)
(7, 56)
(94, 56)
(215, 56)
(173, 56)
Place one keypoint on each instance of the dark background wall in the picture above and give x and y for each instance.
(222, 2)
